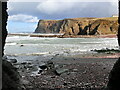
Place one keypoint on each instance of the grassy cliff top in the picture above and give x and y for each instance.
(84, 18)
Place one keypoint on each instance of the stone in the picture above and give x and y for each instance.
(47, 65)
(40, 71)
(65, 84)
(23, 63)
(24, 81)
(60, 71)
(43, 66)
(13, 60)
(50, 62)
(75, 70)
(21, 45)
(11, 78)
(34, 68)
(4, 57)
(29, 66)
(17, 66)
(50, 65)
(114, 77)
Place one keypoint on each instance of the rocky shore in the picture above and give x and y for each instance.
(66, 72)
(88, 71)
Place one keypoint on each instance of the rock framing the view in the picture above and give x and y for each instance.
(10, 76)
(7, 76)
(114, 77)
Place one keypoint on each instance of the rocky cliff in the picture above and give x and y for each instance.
(79, 26)
(10, 76)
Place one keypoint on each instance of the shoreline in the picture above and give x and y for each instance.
(81, 73)
(64, 36)
(86, 71)
(67, 72)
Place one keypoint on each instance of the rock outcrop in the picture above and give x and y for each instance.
(79, 26)
(10, 76)
(4, 24)
(114, 77)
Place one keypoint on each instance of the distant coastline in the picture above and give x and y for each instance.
(73, 27)
(63, 36)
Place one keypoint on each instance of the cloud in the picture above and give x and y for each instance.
(52, 7)
(63, 0)
(27, 8)
(78, 9)
(23, 18)
(10, 7)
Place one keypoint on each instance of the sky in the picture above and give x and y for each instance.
(24, 15)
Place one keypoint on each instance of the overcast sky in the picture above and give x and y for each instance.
(24, 16)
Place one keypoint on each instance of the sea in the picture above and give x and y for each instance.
(25, 48)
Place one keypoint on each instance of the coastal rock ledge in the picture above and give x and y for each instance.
(79, 26)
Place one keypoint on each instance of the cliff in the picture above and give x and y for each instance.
(10, 76)
(79, 26)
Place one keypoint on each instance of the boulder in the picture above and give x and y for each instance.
(114, 77)
(10, 77)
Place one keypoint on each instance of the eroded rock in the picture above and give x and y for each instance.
(79, 26)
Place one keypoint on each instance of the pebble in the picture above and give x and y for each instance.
(60, 71)
(24, 63)
(75, 70)
(40, 71)
(65, 84)
(43, 67)
(25, 81)
(21, 45)
(13, 60)
(67, 78)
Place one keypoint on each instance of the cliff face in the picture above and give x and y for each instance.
(10, 76)
(79, 26)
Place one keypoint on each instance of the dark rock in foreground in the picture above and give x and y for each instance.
(114, 77)
(10, 77)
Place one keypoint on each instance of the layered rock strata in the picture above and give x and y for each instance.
(79, 26)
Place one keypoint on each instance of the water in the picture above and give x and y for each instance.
(37, 46)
